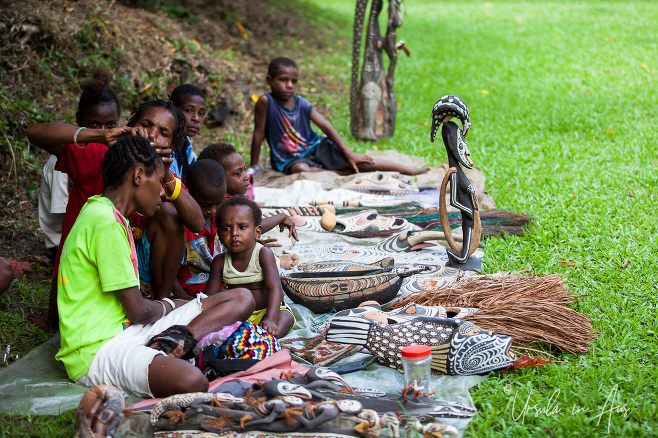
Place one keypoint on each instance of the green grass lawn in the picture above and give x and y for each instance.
(562, 97)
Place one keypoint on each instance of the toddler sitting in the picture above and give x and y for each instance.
(247, 264)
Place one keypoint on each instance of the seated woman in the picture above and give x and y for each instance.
(161, 241)
(105, 323)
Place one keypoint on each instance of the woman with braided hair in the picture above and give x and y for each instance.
(110, 334)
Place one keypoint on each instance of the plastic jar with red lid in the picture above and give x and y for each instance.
(416, 361)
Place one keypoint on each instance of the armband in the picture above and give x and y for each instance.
(171, 302)
(177, 188)
(75, 137)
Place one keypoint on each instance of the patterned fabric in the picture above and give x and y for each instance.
(175, 342)
(249, 341)
(200, 251)
(251, 434)
(321, 352)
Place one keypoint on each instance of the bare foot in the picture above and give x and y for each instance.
(40, 319)
(288, 261)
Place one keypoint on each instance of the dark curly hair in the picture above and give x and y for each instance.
(237, 200)
(277, 63)
(205, 173)
(178, 136)
(95, 92)
(217, 152)
(124, 155)
(182, 91)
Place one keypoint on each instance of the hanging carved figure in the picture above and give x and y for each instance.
(372, 99)
(462, 192)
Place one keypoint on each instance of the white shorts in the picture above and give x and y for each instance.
(124, 360)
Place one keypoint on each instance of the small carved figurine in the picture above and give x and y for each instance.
(462, 192)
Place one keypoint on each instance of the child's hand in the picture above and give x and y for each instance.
(288, 223)
(114, 134)
(288, 261)
(270, 242)
(269, 324)
(180, 302)
(354, 159)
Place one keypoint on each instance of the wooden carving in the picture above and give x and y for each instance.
(462, 192)
(372, 98)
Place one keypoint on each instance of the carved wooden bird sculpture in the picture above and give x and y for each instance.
(462, 192)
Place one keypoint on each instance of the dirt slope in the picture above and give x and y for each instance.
(47, 48)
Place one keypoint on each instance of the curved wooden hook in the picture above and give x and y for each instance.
(443, 212)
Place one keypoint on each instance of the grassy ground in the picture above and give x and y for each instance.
(562, 99)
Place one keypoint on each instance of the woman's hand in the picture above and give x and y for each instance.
(164, 152)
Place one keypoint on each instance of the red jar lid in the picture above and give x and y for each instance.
(416, 351)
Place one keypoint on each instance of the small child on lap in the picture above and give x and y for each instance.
(248, 264)
(284, 120)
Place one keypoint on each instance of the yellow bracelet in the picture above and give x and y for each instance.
(177, 188)
(173, 180)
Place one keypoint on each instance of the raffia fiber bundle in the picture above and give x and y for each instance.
(528, 308)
